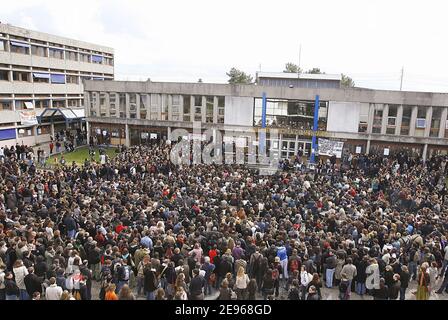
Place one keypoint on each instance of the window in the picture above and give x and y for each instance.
(72, 79)
(5, 104)
(97, 59)
(41, 77)
(19, 47)
(420, 123)
(25, 132)
(2, 45)
(143, 101)
(71, 55)
(122, 104)
(41, 104)
(44, 130)
(377, 119)
(197, 100)
(38, 51)
(73, 103)
(56, 53)
(406, 120)
(21, 104)
(187, 107)
(57, 78)
(363, 117)
(108, 61)
(435, 122)
(4, 75)
(21, 76)
(209, 109)
(176, 99)
(84, 57)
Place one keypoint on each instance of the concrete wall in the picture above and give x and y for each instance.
(239, 111)
(343, 116)
(345, 94)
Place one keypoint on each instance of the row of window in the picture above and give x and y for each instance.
(392, 124)
(159, 106)
(39, 104)
(56, 53)
(43, 77)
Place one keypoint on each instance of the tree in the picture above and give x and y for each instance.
(315, 71)
(239, 77)
(346, 81)
(292, 68)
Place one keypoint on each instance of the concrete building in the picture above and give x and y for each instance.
(365, 120)
(298, 80)
(41, 78)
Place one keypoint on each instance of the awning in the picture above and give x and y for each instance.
(29, 105)
(41, 75)
(69, 114)
(20, 44)
(58, 78)
(97, 58)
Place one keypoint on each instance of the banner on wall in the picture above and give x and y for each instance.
(329, 148)
(28, 117)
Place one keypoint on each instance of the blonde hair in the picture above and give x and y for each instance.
(240, 272)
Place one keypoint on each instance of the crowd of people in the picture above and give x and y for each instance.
(138, 226)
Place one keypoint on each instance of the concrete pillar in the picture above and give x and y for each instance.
(214, 135)
(192, 108)
(385, 118)
(169, 102)
(428, 121)
(87, 131)
(399, 120)
(128, 137)
(52, 129)
(127, 107)
(413, 119)
(181, 107)
(368, 146)
(425, 151)
(107, 103)
(203, 108)
(168, 131)
(215, 110)
(280, 144)
(137, 103)
(370, 118)
(443, 118)
(159, 100)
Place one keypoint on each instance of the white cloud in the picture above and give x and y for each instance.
(181, 40)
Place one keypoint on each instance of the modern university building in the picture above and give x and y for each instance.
(41, 89)
(365, 120)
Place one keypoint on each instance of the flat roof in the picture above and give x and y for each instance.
(42, 36)
(290, 75)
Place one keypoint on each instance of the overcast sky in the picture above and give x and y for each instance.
(179, 40)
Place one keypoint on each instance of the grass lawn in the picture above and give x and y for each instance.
(79, 156)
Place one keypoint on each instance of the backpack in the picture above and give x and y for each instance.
(256, 264)
(343, 286)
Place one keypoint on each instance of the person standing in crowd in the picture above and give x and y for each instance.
(423, 280)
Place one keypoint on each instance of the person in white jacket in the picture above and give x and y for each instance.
(20, 271)
(305, 278)
(53, 292)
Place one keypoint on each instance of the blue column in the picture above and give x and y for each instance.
(262, 137)
(315, 127)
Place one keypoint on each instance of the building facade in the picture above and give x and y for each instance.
(365, 120)
(40, 71)
(298, 80)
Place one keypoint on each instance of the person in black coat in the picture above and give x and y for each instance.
(394, 288)
(382, 293)
(33, 283)
(150, 282)
(405, 277)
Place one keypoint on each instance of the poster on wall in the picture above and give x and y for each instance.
(329, 148)
(28, 117)
(358, 150)
(153, 136)
(386, 151)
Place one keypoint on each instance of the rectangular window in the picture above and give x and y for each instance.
(58, 103)
(41, 77)
(176, 99)
(84, 57)
(97, 59)
(5, 105)
(19, 47)
(197, 101)
(435, 122)
(71, 55)
(44, 130)
(4, 75)
(73, 103)
(71, 79)
(143, 101)
(420, 123)
(56, 53)
(58, 78)
(7, 134)
(42, 104)
(209, 109)
(187, 107)
(38, 51)
(377, 119)
(2, 45)
(21, 76)
(406, 120)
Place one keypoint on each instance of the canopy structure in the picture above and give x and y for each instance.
(69, 114)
